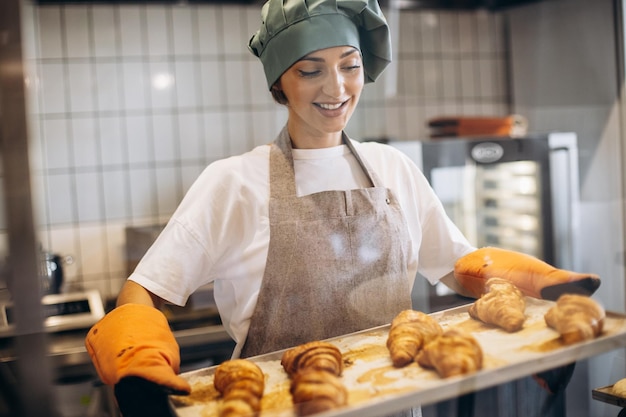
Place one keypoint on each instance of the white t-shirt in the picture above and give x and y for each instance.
(220, 232)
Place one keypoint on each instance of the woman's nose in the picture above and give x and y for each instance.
(334, 85)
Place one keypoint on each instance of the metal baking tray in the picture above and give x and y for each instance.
(376, 388)
(605, 394)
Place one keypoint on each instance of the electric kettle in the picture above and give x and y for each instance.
(50, 273)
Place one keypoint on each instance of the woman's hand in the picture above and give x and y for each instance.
(532, 276)
(134, 350)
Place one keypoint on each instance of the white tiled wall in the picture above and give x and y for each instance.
(131, 102)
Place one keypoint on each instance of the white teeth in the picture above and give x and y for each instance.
(330, 106)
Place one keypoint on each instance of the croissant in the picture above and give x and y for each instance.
(241, 383)
(236, 408)
(314, 391)
(619, 388)
(502, 305)
(313, 355)
(409, 331)
(576, 318)
(453, 353)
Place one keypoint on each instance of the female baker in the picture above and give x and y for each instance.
(313, 236)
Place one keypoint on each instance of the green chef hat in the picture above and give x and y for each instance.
(292, 29)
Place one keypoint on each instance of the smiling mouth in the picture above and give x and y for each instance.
(328, 106)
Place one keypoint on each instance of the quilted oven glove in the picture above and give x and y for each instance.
(532, 276)
(133, 349)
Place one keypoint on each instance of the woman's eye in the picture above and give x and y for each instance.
(308, 73)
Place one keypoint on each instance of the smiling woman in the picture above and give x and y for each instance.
(313, 236)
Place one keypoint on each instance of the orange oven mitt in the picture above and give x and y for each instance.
(532, 276)
(135, 340)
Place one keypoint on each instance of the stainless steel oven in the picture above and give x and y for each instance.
(515, 193)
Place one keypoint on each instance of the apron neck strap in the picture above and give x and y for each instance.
(282, 173)
(371, 175)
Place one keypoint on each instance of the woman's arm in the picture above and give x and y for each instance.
(132, 344)
(133, 293)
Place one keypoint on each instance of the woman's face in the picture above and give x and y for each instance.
(322, 91)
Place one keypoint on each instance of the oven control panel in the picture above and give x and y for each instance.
(62, 312)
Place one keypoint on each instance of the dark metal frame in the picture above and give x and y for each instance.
(33, 371)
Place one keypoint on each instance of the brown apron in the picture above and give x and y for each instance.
(336, 262)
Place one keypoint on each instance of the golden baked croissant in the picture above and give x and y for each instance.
(619, 388)
(241, 383)
(453, 353)
(502, 305)
(313, 355)
(236, 407)
(314, 391)
(576, 318)
(410, 330)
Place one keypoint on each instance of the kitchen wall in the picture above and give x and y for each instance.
(129, 103)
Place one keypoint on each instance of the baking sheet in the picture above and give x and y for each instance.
(606, 395)
(377, 388)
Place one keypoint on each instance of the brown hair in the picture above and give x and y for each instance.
(278, 95)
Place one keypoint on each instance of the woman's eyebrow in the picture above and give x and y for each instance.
(317, 59)
(312, 58)
(350, 52)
